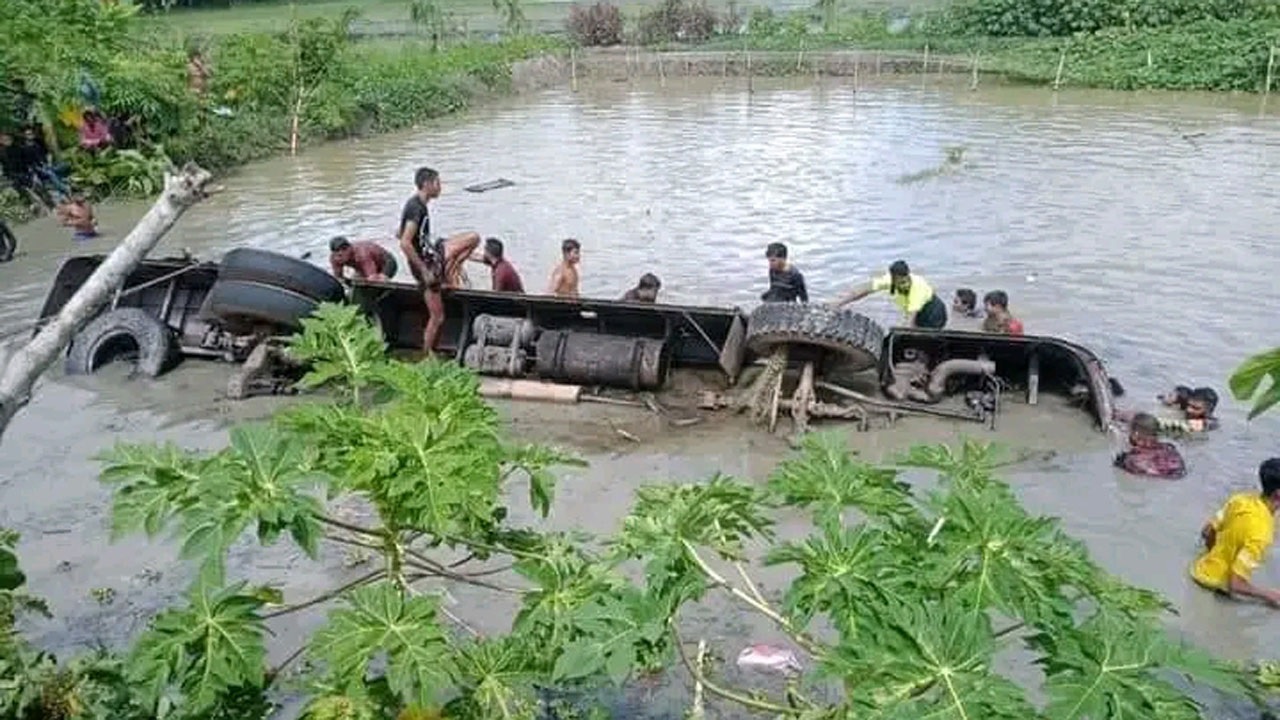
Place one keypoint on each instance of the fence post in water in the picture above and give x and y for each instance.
(856, 63)
(751, 85)
(1271, 67)
(662, 74)
(924, 68)
(1062, 62)
(973, 83)
(877, 64)
(800, 55)
(573, 69)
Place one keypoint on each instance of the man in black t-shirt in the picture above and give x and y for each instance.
(434, 263)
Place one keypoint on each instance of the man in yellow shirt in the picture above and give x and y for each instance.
(920, 304)
(1237, 538)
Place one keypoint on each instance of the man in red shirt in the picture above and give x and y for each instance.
(370, 260)
(999, 319)
(504, 275)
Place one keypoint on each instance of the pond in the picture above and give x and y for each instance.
(1141, 226)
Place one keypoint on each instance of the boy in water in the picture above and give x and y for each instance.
(999, 319)
(965, 303)
(786, 283)
(1147, 454)
(1237, 538)
(564, 279)
(644, 291)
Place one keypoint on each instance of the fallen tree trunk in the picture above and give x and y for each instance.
(21, 370)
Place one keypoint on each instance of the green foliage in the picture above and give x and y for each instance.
(1021, 18)
(595, 25)
(122, 172)
(922, 589)
(1247, 381)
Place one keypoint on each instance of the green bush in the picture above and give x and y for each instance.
(1207, 55)
(678, 20)
(595, 25)
(1057, 18)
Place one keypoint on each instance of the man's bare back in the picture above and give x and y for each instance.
(564, 280)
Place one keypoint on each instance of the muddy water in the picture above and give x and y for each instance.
(1138, 225)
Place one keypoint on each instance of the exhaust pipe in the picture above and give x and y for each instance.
(959, 366)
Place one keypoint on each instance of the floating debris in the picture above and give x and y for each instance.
(491, 185)
(952, 162)
(769, 658)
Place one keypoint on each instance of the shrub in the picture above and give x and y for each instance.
(684, 20)
(595, 25)
(1021, 18)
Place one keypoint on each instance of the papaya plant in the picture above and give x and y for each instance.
(1258, 379)
(901, 596)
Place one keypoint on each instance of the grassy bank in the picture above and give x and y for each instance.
(267, 91)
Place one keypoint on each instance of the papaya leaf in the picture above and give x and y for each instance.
(827, 476)
(203, 652)
(497, 677)
(1115, 667)
(930, 659)
(340, 347)
(152, 484)
(536, 461)
(11, 577)
(612, 629)
(1246, 381)
(380, 620)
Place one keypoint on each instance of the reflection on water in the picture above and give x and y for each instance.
(1096, 213)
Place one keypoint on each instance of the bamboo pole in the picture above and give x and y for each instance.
(924, 69)
(1062, 63)
(1271, 66)
(973, 82)
(573, 69)
(751, 85)
(662, 73)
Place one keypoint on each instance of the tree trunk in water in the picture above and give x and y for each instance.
(20, 371)
(293, 132)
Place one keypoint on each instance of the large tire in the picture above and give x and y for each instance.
(282, 271)
(854, 339)
(8, 243)
(120, 334)
(240, 302)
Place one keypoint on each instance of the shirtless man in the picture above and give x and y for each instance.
(564, 280)
(370, 260)
(434, 263)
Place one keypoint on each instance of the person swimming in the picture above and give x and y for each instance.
(965, 303)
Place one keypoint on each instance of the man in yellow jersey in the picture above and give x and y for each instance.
(1237, 538)
(920, 304)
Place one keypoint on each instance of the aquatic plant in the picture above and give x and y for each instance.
(905, 597)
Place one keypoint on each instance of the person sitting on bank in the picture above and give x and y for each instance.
(920, 305)
(434, 263)
(786, 282)
(1237, 538)
(501, 272)
(999, 319)
(564, 279)
(965, 303)
(95, 131)
(1147, 455)
(369, 260)
(645, 291)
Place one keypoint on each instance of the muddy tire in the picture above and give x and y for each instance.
(269, 268)
(250, 303)
(855, 340)
(124, 333)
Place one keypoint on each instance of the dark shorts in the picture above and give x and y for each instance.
(933, 315)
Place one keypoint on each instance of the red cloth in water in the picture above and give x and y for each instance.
(1161, 460)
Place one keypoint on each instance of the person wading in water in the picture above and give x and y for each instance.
(920, 304)
(564, 279)
(1237, 538)
(435, 264)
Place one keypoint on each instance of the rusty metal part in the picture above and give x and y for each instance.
(495, 330)
(594, 359)
(496, 360)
